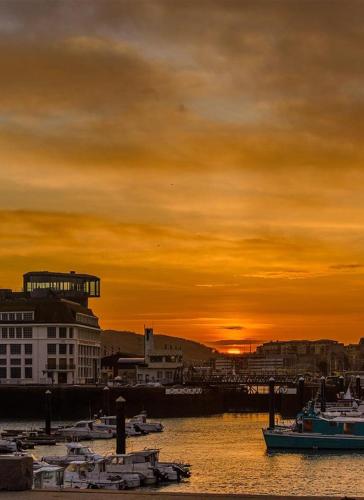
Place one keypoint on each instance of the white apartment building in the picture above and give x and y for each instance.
(160, 365)
(46, 338)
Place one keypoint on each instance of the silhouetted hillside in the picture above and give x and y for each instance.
(133, 343)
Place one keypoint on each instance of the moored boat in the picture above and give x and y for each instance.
(313, 430)
(141, 423)
(81, 474)
(86, 429)
(75, 451)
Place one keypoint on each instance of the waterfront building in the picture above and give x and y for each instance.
(48, 334)
(162, 365)
(306, 356)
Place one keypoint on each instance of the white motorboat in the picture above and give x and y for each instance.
(109, 423)
(75, 451)
(124, 463)
(48, 477)
(7, 446)
(86, 429)
(140, 423)
(80, 474)
(147, 463)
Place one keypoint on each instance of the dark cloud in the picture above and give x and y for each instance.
(232, 327)
(346, 266)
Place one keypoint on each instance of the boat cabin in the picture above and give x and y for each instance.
(77, 450)
(48, 477)
(310, 421)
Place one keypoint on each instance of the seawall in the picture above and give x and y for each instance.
(76, 402)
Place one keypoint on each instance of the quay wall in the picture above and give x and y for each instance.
(78, 402)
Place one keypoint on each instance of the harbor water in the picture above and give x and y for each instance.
(228, 455)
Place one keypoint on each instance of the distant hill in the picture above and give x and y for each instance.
(133, 343)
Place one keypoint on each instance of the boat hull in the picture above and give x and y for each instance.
(312, 441)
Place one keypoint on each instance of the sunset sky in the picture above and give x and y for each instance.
(204, 158)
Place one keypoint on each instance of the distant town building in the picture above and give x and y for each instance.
(47, 332)
(164, 366)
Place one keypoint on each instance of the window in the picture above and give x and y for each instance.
(28, 348)
(52, 363)
(70, 333)
(4, 316)
(63, 363)
(63, 332)
(15, 372)
(11, 332)
(18, 332)
(70, 349)
(28, 332)
(62, 348)
(11, 317)
(51, 332)
(28, 361)
(52, 348)
(2, 361)
(28, 316)
(2, 348)
(2, 372)
(4, 333)
(18, 316)
(15, 361)
(28, 371)
(15, 348)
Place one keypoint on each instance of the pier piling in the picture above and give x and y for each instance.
(106, 400)
(341, 384)
(301, 393)
(120, 425)
(358, 387)
(323, 394)
(48, 412)
(271, 403)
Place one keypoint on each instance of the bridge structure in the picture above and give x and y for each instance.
(252, 383)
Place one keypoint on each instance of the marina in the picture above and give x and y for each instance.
(228, 455)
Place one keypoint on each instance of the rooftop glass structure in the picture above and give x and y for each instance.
(69, 285)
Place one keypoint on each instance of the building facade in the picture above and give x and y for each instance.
(164, 366)
(47, 332)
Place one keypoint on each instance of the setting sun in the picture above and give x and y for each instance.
(233, 350)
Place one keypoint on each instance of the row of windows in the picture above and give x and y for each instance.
(16, 348)
(16, 372)
(60, 348)
(86, 319)
(62, 364)
(17, 332)
(166, 359)
(88, 350)
(62, 332)
(17, 316)
(15, 361)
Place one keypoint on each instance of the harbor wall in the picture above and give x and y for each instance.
(84, 401)
(78, 402)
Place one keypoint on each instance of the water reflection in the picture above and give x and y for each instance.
(228, 455)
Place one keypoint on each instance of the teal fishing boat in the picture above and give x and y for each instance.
(313, 430)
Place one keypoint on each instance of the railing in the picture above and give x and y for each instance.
(240, 379)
